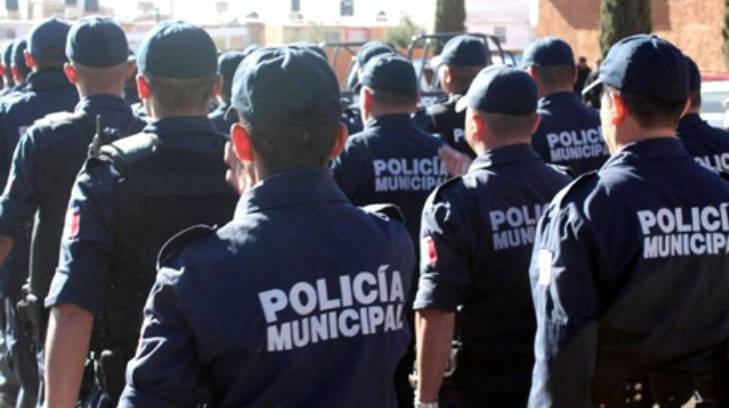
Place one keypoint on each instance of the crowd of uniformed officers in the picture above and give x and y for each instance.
(183, 228)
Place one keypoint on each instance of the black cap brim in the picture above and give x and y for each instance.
(592, 86)
(462, 104)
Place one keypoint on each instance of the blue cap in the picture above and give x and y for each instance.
(47, 41)
(309, 46)
(548, 51)
(19, 47)
(250, 48)
(283, 85)
(97, 42)
(371, 50)
(465, 50)
(390, 73)
(501, 89)
(174, 49)
(227, 64)
(8, 54)
(694, 75)
(645, 65)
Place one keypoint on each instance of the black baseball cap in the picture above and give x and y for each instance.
(548, 51)
(390, 73)
(175, 49)
(694, 75)
(310, 47)
(8, 54)
(465, 50)
(19, 48)
(501, 89)
(371, 50)
(97, 42)
(284, 85)
(47, 41)
(227, 64)
(645, 65)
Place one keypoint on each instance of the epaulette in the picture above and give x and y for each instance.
(57, 119)
(179, 241)
(446, 184)
(388, 210)
(129, 150)
(563, 169)
(571, 187)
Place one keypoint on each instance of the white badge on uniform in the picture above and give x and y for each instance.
(544, 261)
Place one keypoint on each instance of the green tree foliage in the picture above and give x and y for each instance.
(450, 16)
(400, 35)
(621, 18)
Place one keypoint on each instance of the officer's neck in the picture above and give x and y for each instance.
(492, 143)
(547, 91)
(624, 137)
(157, 111)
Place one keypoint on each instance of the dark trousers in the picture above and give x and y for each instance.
(466, 390)
(23, 360)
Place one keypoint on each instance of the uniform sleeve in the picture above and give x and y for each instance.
(348, 170)
(20, 198)
(165, 371)
(88, 239)
(566, 304)
(445, 277)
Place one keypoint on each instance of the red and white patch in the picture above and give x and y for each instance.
(428, 250)
(544, 262)
(73, 223)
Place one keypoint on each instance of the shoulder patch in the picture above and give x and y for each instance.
(179, 241)
(129, 150)
(388, 210)
(577, 183)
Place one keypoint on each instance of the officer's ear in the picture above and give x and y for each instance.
(619, 110)
(365, 97)
(70, 72)
(142, 87)
(217, 86)
(241, 142)
(532, 71)
(17, 76)
(29, 60)
(339, 141)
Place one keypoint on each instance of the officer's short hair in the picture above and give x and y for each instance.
(101, 76)
(181, 93)
(553, 76)
(393, 100)
(462, 76)
(284, 146)
(509, 126)
(651, 112)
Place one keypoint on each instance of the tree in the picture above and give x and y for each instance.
(400, 35)
(450, 16)
(725, 32)
(622, 18)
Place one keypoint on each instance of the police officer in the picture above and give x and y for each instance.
(7, 62)
(19, 67)
(51, 152)
(629, 270)
(476, 238)
(392, 160)
(351, 114)
(708, 145)
(307, 314)
(126, 202)
(222, 116)
(569, 133)
(463, 57)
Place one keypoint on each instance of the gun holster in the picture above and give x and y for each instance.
(31, 315)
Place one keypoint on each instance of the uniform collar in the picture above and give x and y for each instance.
(690, 120)
(650, 149)
(504, 154)
(290, 188)
(401, 120)
(180, 124)
(48, 80)
(559, 98)
(102, 103)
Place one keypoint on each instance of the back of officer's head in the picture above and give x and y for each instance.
(287, 100)
(694, 84)
(19, 67)
(98, 55)
(463, 57)
(47, 44)
(227, 64)
(501, 108)
(8, 62)
(551, 63)
(178, 70)
(645, 82)
(389, 85)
